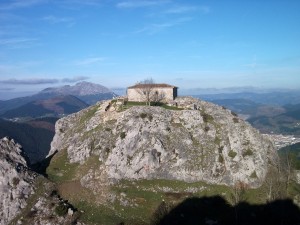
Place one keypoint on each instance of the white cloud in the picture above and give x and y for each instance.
(140, 4)
(74, 79)
(156, 28)
(181, 9)
(32, 81)
(81, 2)
(21, 4)
(55, 20)
(18, 42)
(89, 61)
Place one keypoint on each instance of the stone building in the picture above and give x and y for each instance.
(152, 92)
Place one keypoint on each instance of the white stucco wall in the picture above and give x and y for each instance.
(134, 94)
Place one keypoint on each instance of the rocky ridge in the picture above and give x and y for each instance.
(26, 197)
(203, 142)
(16, 181)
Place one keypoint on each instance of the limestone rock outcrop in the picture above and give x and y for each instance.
(201, 142)
(16, 181)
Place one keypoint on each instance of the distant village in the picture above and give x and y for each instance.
(281, 141)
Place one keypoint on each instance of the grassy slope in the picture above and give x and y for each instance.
(135, 201)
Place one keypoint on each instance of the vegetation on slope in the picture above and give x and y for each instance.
(35, 136)
(137, 201)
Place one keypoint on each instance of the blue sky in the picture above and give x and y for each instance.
(191, 43)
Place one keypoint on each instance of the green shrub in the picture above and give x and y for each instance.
(206, 117)
(221, 149)
(15, 181)
(234, 114)
(206, 129)
(232, 153)
(253, 175)
(217, 140)
(221, 159)
(123, 135)
(248, 152)
(150, 117)
(61, 209)
(235, 120)
(143, 115)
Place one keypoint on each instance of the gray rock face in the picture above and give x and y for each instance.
(203, 142)
(15, 180)
(18, 184)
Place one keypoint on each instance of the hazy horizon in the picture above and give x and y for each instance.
(116, 43)
(182, 91)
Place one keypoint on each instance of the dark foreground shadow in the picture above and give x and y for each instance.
(217, 211)
(40, 167)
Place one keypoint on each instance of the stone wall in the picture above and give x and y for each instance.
(135, 94)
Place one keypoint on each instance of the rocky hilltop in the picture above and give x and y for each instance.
(25, 196)
(15, 180)
(201, 142)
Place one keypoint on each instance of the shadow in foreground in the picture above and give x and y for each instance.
(40, 167)
(216, 211)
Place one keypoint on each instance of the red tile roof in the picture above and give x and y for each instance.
(152, 86)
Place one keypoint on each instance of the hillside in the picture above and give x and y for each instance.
(286, 122)
(120, 164)
(292, 153)
(35, 136)
(54, 107)
(267, 118)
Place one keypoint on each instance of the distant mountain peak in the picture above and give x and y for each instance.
(79, 89)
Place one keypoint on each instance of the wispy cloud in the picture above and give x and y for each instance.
(11, 41)
(158, 27)
(187, 9)
(55, 20)
(89, 61)
(77, 4)
(140, 4)
(6, 89)
(38, 81)
(32, 81)
(21, 42)
(20, 4)
(74, 79)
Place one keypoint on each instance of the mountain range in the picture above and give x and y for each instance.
(88, 92)
(268, 97)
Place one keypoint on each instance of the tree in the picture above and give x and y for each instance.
(157, 97)
(275, 184)
(146, 90)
